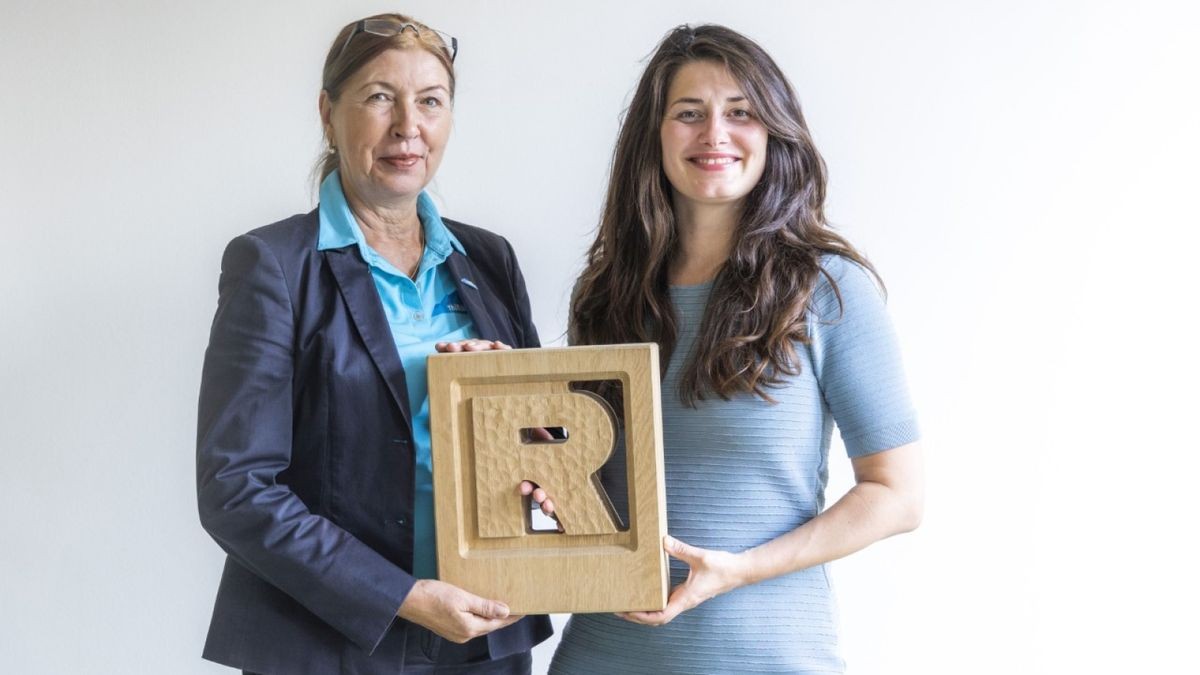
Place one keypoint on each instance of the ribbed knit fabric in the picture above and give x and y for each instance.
(744, 471)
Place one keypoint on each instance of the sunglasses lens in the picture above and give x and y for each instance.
(386, 28)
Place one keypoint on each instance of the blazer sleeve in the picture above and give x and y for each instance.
(244, 442)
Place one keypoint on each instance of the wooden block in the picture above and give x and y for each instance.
(481, 405)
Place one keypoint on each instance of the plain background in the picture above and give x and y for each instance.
(1022, 173)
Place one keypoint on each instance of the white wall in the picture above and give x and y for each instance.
(1023, 174)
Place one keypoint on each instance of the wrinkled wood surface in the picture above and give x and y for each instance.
(479, 403)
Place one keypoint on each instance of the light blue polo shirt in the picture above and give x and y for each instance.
(421, 312)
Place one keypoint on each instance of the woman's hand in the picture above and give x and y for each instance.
(712, 573)
(538, 495)
(452, 612)
(471, 345)
(535, 492)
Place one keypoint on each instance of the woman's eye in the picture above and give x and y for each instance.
(431, 102)
(740, 114)
(379, 97)
(688, 115)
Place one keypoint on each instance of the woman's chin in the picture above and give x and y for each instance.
(399, 188)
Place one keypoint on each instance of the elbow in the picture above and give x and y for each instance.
(911, 513)
(220, 504)
(210, 512)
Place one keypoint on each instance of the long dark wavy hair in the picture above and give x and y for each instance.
(756, 312)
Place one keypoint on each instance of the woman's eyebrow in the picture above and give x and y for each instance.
(688, 99)
(388, 86)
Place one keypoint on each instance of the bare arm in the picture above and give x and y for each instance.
(887, 499)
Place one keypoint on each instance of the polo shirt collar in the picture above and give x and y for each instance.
(339, 228)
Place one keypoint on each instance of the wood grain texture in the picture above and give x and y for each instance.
(565, 469)
(479, 402)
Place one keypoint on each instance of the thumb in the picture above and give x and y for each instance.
(488, 609)
(678, 549)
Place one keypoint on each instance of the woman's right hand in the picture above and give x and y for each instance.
(452, 612)
(470, 345)
(530, 489)
(541, 499)
(539, 496)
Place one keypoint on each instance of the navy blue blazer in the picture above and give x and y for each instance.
(305, 454)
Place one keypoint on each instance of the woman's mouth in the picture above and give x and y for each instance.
(713, 162)
(402, 161)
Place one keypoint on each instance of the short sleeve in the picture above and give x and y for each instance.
(856, 360)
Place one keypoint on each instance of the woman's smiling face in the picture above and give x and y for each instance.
(390, 125)
(714, 146)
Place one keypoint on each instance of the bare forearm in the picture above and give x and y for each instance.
(864, 515)
(887, 499)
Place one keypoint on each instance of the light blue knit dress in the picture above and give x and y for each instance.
(744, 471)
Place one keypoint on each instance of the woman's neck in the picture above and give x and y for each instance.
(395, 232)
(705, 241)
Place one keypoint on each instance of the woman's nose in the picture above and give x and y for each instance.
(714, 131)
(404, 122)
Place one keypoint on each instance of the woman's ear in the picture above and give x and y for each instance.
(325, 107)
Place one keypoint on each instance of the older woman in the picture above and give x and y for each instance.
(713, 243)
(314, 446)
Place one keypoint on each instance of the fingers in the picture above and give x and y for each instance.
(531, 489)
(497, 624)
(476, 626)
(483, 345)
(541, 434)
(487, 609)
(682, 551)
(706, 578)
(477, 616)
(651, 618)
(678, 602)
(538, 495)
(472, 345)
(453, 613)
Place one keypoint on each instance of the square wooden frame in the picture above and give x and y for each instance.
(535, 573)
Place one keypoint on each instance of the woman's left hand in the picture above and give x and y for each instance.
(472, 345)
(711, 573)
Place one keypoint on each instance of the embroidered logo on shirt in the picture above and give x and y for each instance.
(448, 304)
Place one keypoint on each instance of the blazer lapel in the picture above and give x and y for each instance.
(467, 280)
(358, 290)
